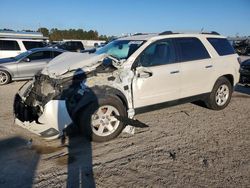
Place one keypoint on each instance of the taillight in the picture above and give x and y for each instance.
(239, 60)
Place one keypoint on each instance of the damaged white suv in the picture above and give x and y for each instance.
(128, 76)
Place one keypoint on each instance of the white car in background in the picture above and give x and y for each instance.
(10, 47)
(14, 43)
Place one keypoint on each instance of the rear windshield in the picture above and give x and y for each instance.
(222, 46)
(33, 44)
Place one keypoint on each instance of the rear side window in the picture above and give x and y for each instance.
(33, 44)
(191, 49)
(11, 45)
(222, 46)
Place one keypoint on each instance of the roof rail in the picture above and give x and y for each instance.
(171, 32)
(211, 33)
(141, 34)
(167, 33)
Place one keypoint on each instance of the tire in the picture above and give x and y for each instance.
(221, 94)
(5, 77)
(94, 121)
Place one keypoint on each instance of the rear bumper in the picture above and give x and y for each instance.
(50, 124)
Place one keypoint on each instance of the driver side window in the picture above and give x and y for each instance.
(159, 53)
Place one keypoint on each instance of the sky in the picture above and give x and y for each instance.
(116, 17)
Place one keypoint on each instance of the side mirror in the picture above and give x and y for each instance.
(26, 59)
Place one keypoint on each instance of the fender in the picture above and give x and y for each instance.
(94, 94)
(2, 68)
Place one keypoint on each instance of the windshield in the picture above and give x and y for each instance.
(22, 55)
(120, 49)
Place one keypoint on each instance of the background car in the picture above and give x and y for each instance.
(72, 46)
(242, 47)
(14, 43)
(245, 72)
(27, 64)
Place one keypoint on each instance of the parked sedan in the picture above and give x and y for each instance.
(245, 72)
(26, 65)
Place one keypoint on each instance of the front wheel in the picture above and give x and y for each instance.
(98, 121)
(221, 94)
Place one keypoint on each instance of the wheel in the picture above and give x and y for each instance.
(98, 122)
(4, 77)
(221, 94)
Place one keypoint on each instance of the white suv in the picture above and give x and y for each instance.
(128, 76)
(11, 47)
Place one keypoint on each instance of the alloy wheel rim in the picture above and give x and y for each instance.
(3, 77)
(222, 95)
(104, 122)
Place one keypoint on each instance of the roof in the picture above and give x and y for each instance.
(170, 34)
(22, 35)
(139, 37)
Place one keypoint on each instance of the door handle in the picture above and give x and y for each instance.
(208, 66)
(174, 72)
(145, 74)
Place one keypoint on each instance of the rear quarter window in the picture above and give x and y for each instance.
(222, 46)
(10, 45)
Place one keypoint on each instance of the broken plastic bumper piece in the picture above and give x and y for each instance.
(49, 124)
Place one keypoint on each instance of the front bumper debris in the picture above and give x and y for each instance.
(50, 124)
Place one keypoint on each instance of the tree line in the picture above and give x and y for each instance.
(55, 34)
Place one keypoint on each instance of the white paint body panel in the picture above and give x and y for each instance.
(160, 87)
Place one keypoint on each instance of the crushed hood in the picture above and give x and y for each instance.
(70, 61)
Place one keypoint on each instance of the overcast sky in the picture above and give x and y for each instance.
(114, 17)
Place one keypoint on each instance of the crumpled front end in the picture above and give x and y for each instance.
(39, 108)
(48, 104)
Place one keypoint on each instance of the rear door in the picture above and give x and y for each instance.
(196, 66)
(33, 63)
(157, 78)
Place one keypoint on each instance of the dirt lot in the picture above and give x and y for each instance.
(184, 146)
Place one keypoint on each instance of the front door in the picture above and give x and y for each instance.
(157, 76)
(33, 63)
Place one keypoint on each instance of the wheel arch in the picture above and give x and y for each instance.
(230, 78)
(98, 92)
(6, 70)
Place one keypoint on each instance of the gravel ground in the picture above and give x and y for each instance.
(183, 146)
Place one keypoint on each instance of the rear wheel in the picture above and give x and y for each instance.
(4, 77)
(98, 121)
(221, 94)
